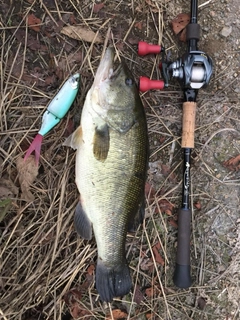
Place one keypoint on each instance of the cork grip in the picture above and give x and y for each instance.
(188, 124)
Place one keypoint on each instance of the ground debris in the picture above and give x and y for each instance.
(233, 164)
(73, 300)
(33, 22)
(97, 7)
(81, 33)
(152, 5)
(41, 258)
(27, 172)
(7, 188)
(116, 314)
(157, 256)
(201, 302)
(165, 206)
(226, 31)
(32, 41)
(138, 295)
(179, 25)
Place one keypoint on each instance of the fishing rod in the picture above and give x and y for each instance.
(193, 70)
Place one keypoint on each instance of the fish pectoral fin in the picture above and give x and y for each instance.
(74, 139)
(101, 142)
(82, 224)
(112, 281)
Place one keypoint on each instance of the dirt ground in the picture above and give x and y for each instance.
(47, 271)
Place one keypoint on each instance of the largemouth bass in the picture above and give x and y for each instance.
(111, 166)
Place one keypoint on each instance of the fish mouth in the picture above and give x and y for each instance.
(105, 69)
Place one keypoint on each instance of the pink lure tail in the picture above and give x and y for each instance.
(35, 146)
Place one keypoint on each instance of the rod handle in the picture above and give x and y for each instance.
(182, 274)
(188, 124)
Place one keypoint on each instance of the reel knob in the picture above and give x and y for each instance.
(146, 48)
(146, 84)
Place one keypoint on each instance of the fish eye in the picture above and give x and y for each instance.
(129, 82)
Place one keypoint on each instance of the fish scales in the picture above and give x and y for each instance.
(112, 188)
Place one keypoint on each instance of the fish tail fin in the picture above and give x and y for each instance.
(112, 282)
(35, 146)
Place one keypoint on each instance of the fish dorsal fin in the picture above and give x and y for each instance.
(74, 139)
(101, 142)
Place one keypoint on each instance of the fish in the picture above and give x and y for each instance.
(111, 169)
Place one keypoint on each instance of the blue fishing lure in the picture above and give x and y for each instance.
(56, 110)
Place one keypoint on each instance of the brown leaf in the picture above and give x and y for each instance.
(180, 22)
(157, 255)
(197, 205)
(116, 315)
(120, 45)
(233, 164)
(150, 292)
(97, 7)
(183, 35)
(68, 124)
(78, 311)
(32, 42)
(173, 223)
(149, 316)
(72, 296)
(166, 206)
(162, 139)
(138, 25)
(138, 295)
(27, 172)
(72, 19)
(33, 21)
(81, 33)
(49, 3)
(166, 171)
(68, 62)
(91, 269)
(153, 6)
(149, 191)
(72, 299)
(147, 264)
(133, 40)
(201, 302)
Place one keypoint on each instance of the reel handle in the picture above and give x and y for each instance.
(146, 48)
(146, 84)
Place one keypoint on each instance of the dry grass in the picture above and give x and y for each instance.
(41, 256)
